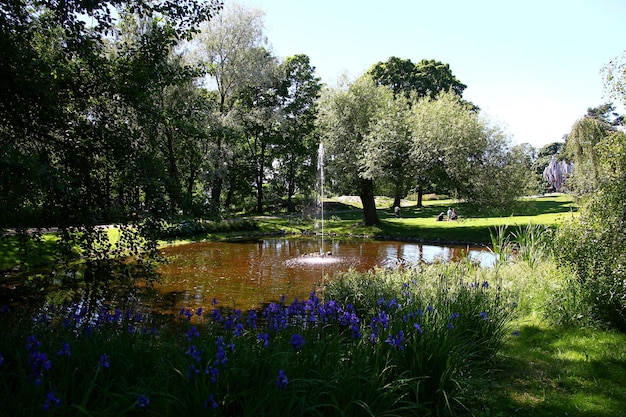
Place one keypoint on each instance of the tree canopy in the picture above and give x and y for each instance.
(114, 111)
(427, 78)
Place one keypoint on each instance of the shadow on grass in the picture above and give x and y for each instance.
(538, 205)
(556, 372)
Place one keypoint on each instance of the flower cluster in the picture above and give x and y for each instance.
(281, 380)
(143, 401)
(51, 400)
(38, 361)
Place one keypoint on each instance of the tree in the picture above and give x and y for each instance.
(61, 117)
(387, 146)
(581, 146)
(427, 78)
(615, 78)
(298, 93)
(226, 46)
(445, 138)
(345, 119)
(454, 147)
(256, 114)
(594, 244)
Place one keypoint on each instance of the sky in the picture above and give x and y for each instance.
(532, 66)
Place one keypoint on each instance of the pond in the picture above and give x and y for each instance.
(248, 274)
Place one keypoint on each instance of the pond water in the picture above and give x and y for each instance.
(249, 274)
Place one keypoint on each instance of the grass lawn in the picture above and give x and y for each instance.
(343, 217)
(551, 371)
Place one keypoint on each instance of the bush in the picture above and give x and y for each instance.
(193, 227)
(594, 245)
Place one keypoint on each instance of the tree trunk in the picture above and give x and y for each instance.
(420, 194)
(259, 192)
(398, 191)
(291, 186)
(216, 186)
(370, 215)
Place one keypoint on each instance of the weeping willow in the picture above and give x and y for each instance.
(582, 149)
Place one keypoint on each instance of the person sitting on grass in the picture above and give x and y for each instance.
(454, 216)
(440, 216)
(449, 213)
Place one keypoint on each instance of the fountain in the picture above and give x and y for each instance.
(320, 194)
(323, 256)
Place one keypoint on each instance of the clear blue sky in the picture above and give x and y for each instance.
(532, 65)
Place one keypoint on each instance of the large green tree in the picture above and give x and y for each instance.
(413, 81)
(454, 146)
(228, 47)
(594, 244)
(388, 146)
(62, 115)
(295, 155)
(346, 116)
(257, 117)
(427, 78)
(581, 146)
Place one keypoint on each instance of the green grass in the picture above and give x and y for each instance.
(343, 217)
(553, 371)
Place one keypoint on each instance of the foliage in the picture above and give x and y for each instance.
(345, 119)
(411, 355)
(594, 246)
(195, 227)
(452, 146)
(581, 147)
(427, 78)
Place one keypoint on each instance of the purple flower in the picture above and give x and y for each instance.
(281, 380)
(65, 350)
(396, 341)
(210, 402)
(251, 320)
(142, 401)
(192, 332)
(51, 400)
(32, 343)
(104, 360)
(1, 359)
(212, 372)
(195, 354)
(199, 311)
(418, 328)
(515, 333)
(264, 338)
(297, 341)
(485, 284)
(483, 315)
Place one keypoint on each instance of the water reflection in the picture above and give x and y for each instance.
(249, 274)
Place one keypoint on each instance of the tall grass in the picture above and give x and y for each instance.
(405, 346)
